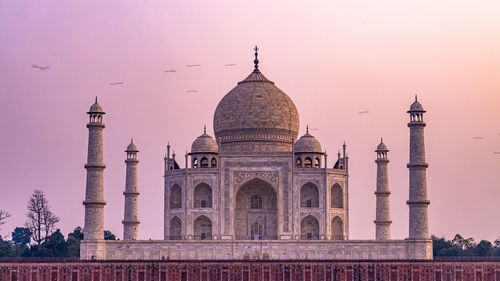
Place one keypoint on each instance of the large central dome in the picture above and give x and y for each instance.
(256, 116)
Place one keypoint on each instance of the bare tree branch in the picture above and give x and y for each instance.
(3, 216)
(41, 221)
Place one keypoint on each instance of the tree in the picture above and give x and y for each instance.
(463, 243)
(108, 235)
(496, 249)
(484, 248)
(41, 221)
(21, 237)
(443, 247)
(56, 243)
(73, 247)
(77, 233)
(3, 216)
(5, 249)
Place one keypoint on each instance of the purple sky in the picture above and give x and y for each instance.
(333, 58)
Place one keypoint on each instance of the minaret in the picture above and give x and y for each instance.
(130, 219)
(94, 192)
(382, 217)
(418, 203)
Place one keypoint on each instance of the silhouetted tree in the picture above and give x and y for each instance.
(56, 243)
(496, 248)
(5, 248)
(41, 221)
(73, 247)
(484, 248)
(21, 237)
(77, 233)
(463, 243)
(108, 235)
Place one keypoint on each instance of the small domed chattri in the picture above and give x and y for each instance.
(204, 143)
(382, 146)
(96, 108)
(416, 106)
(131, 147)
(308, 143)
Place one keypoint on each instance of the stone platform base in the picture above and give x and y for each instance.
(265, 249)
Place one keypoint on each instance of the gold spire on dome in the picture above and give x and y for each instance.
(256, 60)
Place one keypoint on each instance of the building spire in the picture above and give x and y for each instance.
(95, 99)
(204, 129)
(416, 100)
(256, 60)
(307, 129)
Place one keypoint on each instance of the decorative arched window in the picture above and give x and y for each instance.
(256, 202)
(203, 228)
(175, 228)
(202, 196)
(308, 162)
(195, 163)
(309, 228)
(309, 196)
(256, 231)
(204, 162)
(214, 162)
(299, 163)
(337, 200)
(316, 162)
(337, 229)
(175, 197)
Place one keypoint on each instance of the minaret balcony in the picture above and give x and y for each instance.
(417, 165)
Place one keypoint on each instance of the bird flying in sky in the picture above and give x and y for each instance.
(191, 91)
(40, 67)
(230, 64)
(363, 111)
(193, 65)
(170, 70)
(477, 138)
(497, 152)
(116, 83)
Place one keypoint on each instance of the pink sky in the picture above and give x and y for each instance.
(333, 58)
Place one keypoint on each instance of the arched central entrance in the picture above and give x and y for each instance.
(256, 211)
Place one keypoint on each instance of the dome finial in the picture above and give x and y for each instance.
(95, 99)
(131, 140)
(204, 129)
(416, 100)
(307, 129)
(256, 61)
(381, 140)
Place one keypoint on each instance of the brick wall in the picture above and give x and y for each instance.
(76, 270)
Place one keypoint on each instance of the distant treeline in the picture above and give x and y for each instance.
(40, 237)
(464, 247)
(52, 246)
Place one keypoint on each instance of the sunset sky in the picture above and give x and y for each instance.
(333, 58)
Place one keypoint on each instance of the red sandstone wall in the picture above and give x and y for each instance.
(75, 270)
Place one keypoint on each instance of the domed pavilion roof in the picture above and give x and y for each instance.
(131, 147)
(382, 146)
(308, 143)
(204, 144)
(416, 106)
(256, 111)
(96, 108)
